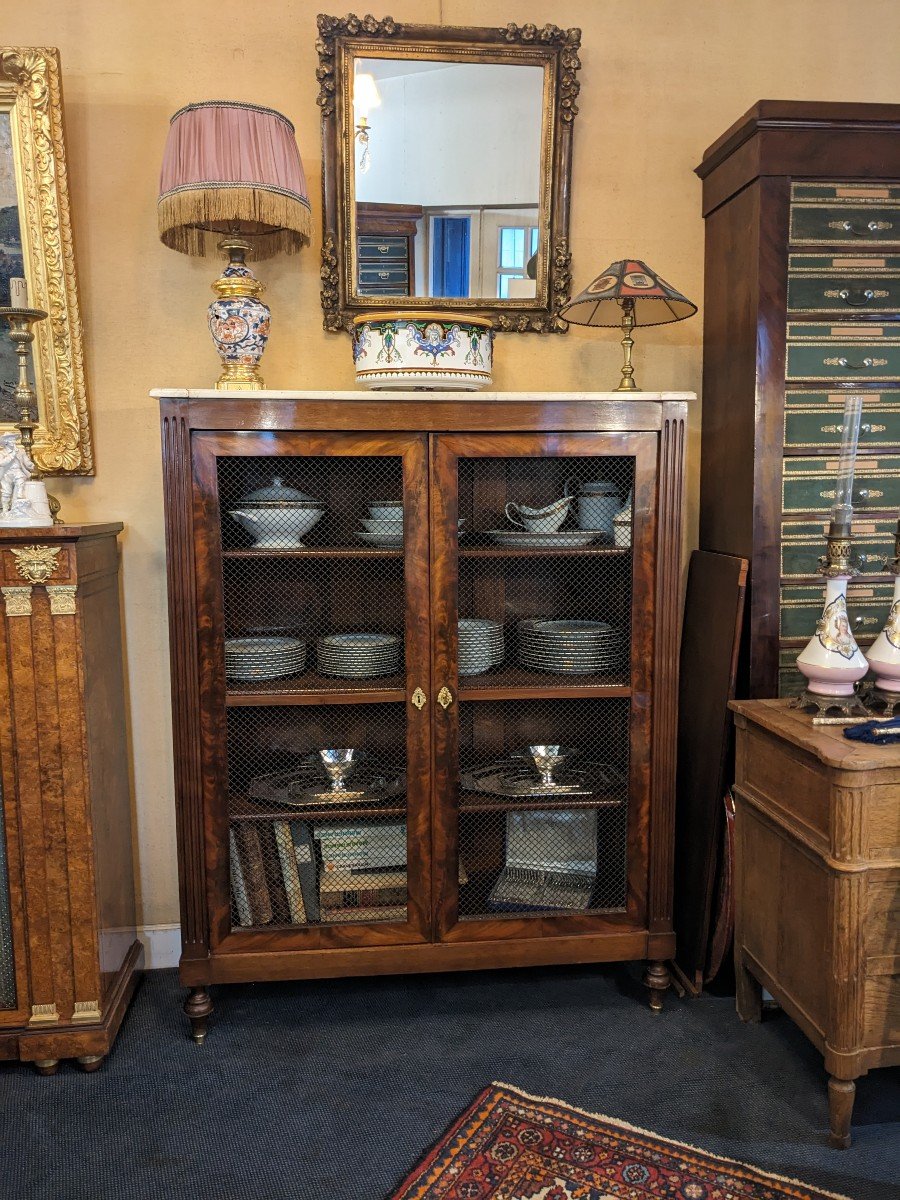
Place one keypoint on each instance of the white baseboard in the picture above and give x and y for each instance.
(162, 945)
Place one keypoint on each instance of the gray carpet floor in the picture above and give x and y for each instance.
(333, 1090)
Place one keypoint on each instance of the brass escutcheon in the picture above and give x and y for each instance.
(445, 697)
(419, 698)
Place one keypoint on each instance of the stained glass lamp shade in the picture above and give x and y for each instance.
(641, 297)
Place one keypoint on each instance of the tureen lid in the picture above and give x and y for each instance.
(277, 492)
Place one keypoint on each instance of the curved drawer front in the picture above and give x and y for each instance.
(383, 275)
(803, 544)
(808, 484)
(373, 248)
(843, 284)
(872, 398)
(813, 427)
(867, 603)
(842, 353)
(846, 214)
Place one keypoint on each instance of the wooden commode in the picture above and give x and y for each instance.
(817, 923)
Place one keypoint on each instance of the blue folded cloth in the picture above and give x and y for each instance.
(881, 733)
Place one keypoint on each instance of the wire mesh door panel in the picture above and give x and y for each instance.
(543, 551)
(316, 651)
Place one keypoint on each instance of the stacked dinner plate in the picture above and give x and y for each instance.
(250, 658)
(481, 645)
(359, 655)
(571, 647)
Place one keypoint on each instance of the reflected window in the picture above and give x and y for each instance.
(516, 245)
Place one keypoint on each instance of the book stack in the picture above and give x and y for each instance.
(292, 873)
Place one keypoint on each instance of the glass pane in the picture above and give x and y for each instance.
(318, 834)
(314, 603)
(512, 247)
(533, 245)
(503, 286)
(544, 782)
(7, 961)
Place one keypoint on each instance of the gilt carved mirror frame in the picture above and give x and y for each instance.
(36, 242)
(341, 41)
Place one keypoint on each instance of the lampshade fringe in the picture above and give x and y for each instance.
(216, 207)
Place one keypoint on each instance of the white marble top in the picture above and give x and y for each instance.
(417, 397)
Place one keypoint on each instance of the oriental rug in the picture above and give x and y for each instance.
(511, 1146)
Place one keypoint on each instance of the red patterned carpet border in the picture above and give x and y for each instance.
(512, 1146)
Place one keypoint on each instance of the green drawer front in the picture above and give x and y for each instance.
(808, 484)
(376, 249)
(803, 543)
(383, 276)
(387, 290)
(852, 193)
(843, 352)
(843, 283)
(867, 603)
(862, 215)
(808, 427)
(790, 681)
(835, 400)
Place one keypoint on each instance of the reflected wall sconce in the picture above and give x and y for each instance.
(641, 298)
(365, 98)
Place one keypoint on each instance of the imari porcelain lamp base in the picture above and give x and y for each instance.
(234, 169)
(884, 655)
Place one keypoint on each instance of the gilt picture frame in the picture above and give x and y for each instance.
(36, 243)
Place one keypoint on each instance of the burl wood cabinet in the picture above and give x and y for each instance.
(817, 890)
(69, 958)
(343, 577)
(802, 285)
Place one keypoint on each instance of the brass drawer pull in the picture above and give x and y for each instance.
(845, 362)
(445, 697)
(419, 699)
(383, 249)
(861, 231)
(857, 297)
(862, 428)
(866, 620)
(384, 274)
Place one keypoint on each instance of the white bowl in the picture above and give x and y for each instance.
(422, 350)
(383, 524)
(276, 527)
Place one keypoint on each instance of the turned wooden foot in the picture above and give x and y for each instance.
(197, 1007)
(658, 980)
(748, 1000)
(91, 1062)
(841, 1094)
(47, 1066)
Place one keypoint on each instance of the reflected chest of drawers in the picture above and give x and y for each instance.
(802, 209)
(817, 889)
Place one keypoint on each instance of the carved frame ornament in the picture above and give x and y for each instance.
(340, 40)
(30, 92)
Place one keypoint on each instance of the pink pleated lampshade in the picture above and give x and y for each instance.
(230, 167)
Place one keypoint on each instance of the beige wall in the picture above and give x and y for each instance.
(661, 79)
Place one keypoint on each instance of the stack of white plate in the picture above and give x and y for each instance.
(481, 645)
(264, 657)
(359, 655)
(383, 527)
(571, 647)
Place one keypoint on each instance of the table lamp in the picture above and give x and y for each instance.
(884, 654)
(234, 169)
(641, 298)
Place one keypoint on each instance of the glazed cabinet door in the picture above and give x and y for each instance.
(312, 576)
(542, 677)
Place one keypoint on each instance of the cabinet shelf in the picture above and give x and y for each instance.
(543, 551)
(366, 552)
(241, 809)
(311, 688)
(474, 802)
(513, 683)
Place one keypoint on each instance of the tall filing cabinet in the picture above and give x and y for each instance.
(802, 307)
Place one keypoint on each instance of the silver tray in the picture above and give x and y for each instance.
(514, 778)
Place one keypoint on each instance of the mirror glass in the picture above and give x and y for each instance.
(446, 177)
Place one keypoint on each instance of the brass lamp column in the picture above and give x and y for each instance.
(641, 298)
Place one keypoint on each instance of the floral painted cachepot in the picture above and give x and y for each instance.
(429, 351)
(239, 324)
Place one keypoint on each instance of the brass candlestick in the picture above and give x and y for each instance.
(20, 321)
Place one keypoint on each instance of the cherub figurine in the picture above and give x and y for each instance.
(15, 471)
